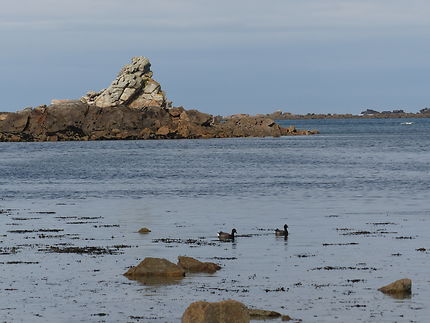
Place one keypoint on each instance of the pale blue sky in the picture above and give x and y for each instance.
(223, 57)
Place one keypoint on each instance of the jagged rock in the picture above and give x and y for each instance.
(279, 115)
(293, 131)
(229, 311)
(400, 288)
(133, 87)
(176, 112)
(163, 131)
(3, 116)
(155, 267)
(249, 127)
(75, 120)
(263, 314)
(238, 116)
(193, 265)
(16, 122)
(54, 101)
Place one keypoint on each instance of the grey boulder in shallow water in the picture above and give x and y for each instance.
(229, 311)
(401, 288)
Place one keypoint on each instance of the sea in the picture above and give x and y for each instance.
(355, 198)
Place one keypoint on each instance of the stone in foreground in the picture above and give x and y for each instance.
(193, 265)
(144, 230)
(400, 288)
(229, 311)
(263, 314)
(155, 267)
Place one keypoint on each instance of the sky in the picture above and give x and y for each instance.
(223, 57)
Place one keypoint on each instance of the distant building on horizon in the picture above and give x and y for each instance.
(369, 112)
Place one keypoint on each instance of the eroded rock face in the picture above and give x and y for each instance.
(229, 311)
(133, 87)
(155, 267)
(293, 131)
(193, 265)
(3, 116)
(75, 120)
(400, 288)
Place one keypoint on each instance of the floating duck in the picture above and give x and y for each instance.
(282, 232)
(226, 236)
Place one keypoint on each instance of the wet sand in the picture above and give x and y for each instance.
(63, 261)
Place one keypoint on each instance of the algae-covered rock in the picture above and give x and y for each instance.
(229, 311)
(400, 288)
(194, 265)
(263, 314)
(155, 267)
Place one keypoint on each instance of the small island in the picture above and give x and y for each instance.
(133, 107)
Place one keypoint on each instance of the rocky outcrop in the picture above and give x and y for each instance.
(193, 265)
(155, 267)
(76, 120)
(132, 107)
(293, 131)
(133, 87)
(399, 289)
(229, 311)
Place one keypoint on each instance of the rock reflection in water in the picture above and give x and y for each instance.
(156, 281)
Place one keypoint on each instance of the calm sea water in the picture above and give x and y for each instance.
(370, 176)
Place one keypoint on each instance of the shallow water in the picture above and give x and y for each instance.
(357, 176)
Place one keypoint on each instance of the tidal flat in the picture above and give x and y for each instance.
(61, 270)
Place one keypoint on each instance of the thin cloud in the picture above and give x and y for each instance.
(210, 15)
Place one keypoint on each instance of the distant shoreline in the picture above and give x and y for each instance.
(288, 116)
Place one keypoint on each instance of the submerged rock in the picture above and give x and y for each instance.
(155, 267)
(193, 265)
(229, 311)
(400, 288)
